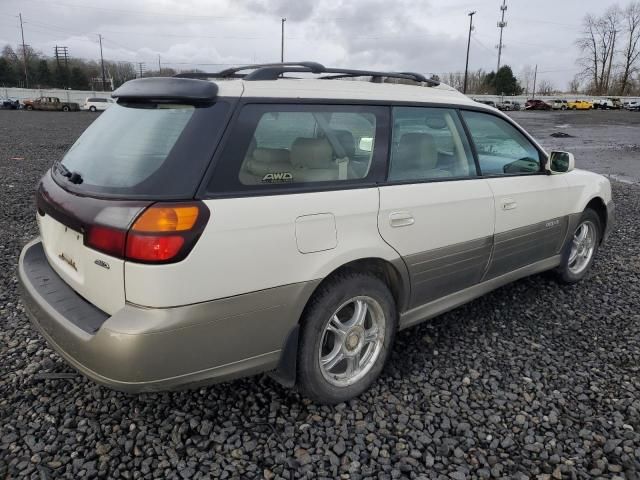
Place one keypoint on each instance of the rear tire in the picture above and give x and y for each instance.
(92, 108)
(29, 107)
(578, 253)
(347, 333)
(65, 108)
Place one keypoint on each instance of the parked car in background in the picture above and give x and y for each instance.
(51, 104)
(633, 105)
(305, 241)
(610, 103)
(96, 104)
(579, 105)
(559, 104)
(491, 103)
(508, 105)
(535, 104)
(9, 103)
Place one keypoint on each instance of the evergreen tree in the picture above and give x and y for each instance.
(43, 75)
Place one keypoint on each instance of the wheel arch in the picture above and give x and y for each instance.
(393, 273)
(598, 205)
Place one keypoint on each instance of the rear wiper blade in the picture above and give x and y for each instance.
(74, 177)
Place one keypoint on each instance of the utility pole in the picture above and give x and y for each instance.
(501, 25)
(24, 55)
(104, 78)
(159, 66)
(282, 40)
(535, 74)
(466, 65)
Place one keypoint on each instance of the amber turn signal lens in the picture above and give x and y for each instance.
(164, 218)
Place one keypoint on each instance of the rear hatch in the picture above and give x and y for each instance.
(138, 154)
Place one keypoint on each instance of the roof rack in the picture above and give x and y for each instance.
(273, 71)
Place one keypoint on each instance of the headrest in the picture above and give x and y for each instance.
(345, 137)
(418, 150)
(312, 153)
(271, 155)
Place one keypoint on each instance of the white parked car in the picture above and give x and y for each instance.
(202, 230)
(633, 105)
(97, 104)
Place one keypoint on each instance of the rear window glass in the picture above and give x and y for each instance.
(145, 149)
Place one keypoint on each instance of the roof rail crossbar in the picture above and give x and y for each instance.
(273, 71)
(205, 75)
(314, 67)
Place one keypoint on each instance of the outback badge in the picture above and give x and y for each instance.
(102, 263)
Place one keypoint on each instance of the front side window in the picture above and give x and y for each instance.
(428, 144)
(502, 149)
(287, 144)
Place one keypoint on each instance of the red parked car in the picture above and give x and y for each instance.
(536, 105)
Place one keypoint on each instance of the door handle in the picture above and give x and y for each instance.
(509, 204)
(401, 219)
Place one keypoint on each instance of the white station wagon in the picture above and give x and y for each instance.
(234, 223)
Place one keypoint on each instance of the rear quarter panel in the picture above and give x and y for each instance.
(251, 244)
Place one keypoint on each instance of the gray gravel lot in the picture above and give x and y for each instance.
(606, 142)
(535, 380)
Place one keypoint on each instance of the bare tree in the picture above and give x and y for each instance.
(631, 49)
(526, 78)
(611, 26)
(545, 87)
(598, 42)
(574, 85)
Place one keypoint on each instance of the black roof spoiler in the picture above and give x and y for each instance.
(167, 88)
(273, 71)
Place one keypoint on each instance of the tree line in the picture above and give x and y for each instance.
(74, 73)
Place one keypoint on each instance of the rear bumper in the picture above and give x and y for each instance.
(144, 349)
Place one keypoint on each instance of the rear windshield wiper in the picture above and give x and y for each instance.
(74, 177)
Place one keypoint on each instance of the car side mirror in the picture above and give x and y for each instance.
(560, 162)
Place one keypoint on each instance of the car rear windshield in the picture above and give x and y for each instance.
(144, 150)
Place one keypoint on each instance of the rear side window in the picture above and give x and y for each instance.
(429, 144)
(502, 148)
(144, 150)
(276, 145)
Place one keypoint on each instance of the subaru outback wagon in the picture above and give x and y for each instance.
(234, 223)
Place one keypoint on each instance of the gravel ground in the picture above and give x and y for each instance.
(606, 142)
(534, 380)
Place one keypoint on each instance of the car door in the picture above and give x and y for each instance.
(531, 207)
(435, 211)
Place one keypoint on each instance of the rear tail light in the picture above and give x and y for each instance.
(162, 233)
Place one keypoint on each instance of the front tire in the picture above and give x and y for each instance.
(581, 249)
(92, 108)
(65, 108)
(347, 333)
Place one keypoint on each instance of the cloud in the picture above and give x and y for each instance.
(427, 36)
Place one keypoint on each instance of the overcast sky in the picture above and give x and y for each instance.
(428, 36)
